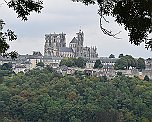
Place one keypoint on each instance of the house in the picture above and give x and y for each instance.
(90, 63)
(54, 62)
(19, 68)
(148, 64)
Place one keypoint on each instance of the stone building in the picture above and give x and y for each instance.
(148, 64)
(55, 46)
(78, 48)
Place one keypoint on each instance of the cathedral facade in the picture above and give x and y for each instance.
(55, 46)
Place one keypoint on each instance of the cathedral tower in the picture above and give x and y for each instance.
(52, 44)
(80, 38)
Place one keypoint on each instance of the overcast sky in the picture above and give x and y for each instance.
(67, 17)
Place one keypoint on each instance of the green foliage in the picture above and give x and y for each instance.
(80, 62)
(112, 56)
(68, 62)
(41, 64)
(6, 66)
(5, 70)
(119, 73)
(121, 63)
(120, 55)
(98, 64)
(141, 64)
(24, 7)
(87, 2)
(4, 36)
(125, 62)
(134, 15)
(73, 62)
(146, 78)
(41, 95)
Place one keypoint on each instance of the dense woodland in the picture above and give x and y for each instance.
(46, 96)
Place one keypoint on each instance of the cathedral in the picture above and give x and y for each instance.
(55, 46)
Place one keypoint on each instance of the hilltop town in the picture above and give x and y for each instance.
(55, 51)
(73, 84)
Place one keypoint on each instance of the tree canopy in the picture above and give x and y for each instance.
(41, 64)
(134, 15)
(73, 62)
(45, 96)
(120, 55)
(4, 36)
(23, 8)
(141, 64)
(98, 64)
(126, 62)
(112, 56)
(146, 78)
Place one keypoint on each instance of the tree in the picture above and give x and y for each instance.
(23, 8)
(141, 64)
(112, 56)
(98, 64)
(4, 36)
(119, 73)
(40, 96)
(80, 62)
(6, 66)
(146, 78)
(5, 70)
(68, 62)
(134, 15)
(73, 62)
(125, 62)
(121, 64)
(131, 61)
(120, 55)
(41, 64)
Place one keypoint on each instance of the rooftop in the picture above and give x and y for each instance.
(74, 40)
(65, 49)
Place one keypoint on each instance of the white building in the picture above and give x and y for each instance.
(52, 61)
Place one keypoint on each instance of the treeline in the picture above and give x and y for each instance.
(5, 70)
(74, 62)
(46, 96)
(127, 61)
(122, 63)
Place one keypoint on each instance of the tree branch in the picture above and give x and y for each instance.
(108, 32)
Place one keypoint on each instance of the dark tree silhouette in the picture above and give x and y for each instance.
(134, 15)
(146, 78)
(23, 8)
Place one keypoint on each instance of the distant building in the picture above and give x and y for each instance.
(52, 61)
(148, 64)
(20, 68)
(53, 42)
(148, 68)
(78, 48)
(55, 46)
